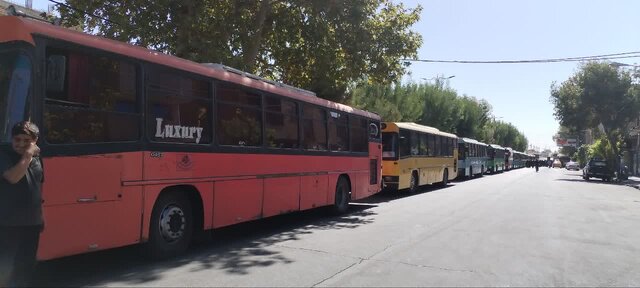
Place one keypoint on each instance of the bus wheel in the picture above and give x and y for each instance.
(445, 178)
(343, 197)
(413, 183)
(171, 226)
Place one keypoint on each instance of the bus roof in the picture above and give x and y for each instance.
(496, 146)
(422, 128)
(469, 140)
(23, 29)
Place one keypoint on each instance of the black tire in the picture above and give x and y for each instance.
(445, 178)
(170, 227)
(342, 197)
(413, 183)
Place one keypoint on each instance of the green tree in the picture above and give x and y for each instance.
(474, 115)
(395, 103)
(504, 134)
(319, 45)
(441, 107)
(597, 94)
(437, 106)
(582, 155)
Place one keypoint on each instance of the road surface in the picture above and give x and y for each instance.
(518, 228)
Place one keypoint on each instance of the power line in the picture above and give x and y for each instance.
(624, 55)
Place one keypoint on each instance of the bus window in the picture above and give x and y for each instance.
(338, 131)
(314, 127)
(15, 82)
(414, 140)
(422, 147)
(179, 108)
(432, 144)
(403, 143)
(359, 130)
(97, 103)
(281, 122)
(389, 145)
(462, 152)
(239, 117)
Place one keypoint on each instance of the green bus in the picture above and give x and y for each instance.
(496, 162)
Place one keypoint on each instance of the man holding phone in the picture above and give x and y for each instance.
(20, 205)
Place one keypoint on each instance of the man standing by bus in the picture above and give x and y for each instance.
(20, 205)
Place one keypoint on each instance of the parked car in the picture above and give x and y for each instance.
(597, 168)
(572, 166)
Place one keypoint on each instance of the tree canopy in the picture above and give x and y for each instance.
(438, 106)
(597, 94)
(319, 45)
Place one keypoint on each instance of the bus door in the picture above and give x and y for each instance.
(86, 208)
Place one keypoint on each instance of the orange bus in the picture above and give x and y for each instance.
(142, 147)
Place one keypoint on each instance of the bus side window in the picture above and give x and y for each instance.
(179, 108)
(432, 144)
(90, 98)
(403, 143)
(314, 127)
(56, 72)
(359, 131)
(338, 131)
(239, 117)
(281, 122)
(423, 150)
(414, 142)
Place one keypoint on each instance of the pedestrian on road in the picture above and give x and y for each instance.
(537, 165)
(20, 205)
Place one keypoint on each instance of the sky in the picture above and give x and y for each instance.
(515, 30)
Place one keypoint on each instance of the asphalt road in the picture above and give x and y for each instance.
(518, 228)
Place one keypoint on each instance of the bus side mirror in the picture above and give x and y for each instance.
(56, 72)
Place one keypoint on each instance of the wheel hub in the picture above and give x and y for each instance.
(172, 223)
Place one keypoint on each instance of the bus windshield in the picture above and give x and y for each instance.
(15, 78)
(389, 145)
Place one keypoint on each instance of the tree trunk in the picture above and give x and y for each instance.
(184, 16)
(255, 40)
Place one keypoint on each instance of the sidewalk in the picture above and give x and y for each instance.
(633, 181)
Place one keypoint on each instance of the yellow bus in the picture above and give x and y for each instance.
(414, 155)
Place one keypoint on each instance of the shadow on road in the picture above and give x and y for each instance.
(233, 249)
(463, 179)
(388, 196)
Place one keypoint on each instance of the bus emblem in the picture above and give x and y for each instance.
(185, 162)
